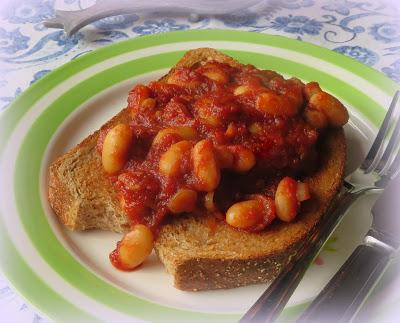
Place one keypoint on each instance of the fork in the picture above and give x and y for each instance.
(379, 166)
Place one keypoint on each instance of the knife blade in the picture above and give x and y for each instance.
(345, 293)
(386, 216)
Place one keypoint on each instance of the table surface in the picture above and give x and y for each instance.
(368, 31)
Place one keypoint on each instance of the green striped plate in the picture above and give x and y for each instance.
(66, 275)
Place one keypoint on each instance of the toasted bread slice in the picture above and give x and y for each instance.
(199, 252)
(202, 253)
(79, 190)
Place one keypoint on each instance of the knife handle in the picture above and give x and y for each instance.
(341, 299)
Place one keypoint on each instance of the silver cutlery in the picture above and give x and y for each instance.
(343, 296)
(72, 21)
(379, 166)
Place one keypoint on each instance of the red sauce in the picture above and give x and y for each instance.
(282, 145)
(116, 260)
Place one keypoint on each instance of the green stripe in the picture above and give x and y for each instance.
(18, 108)
(37, 226)
(29, 159)
(32, 287)
(32, 153)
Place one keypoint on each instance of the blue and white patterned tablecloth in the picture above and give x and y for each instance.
(368, 31)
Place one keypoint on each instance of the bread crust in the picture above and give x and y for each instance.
(201, 257)
(79, 192)
(198, 257)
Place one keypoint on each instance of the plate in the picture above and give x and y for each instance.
(67, 275)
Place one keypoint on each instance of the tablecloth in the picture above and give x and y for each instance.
(368, 31)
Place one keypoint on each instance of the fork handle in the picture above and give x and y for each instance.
(270, 304)
(341, 299)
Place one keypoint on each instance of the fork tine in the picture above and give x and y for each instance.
(390, 150)
(391, 173)
(392, 169)
(375, 152)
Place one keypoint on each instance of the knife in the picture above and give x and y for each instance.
(345, 293)
(72, 21)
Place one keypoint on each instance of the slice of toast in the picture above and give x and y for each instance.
(199, 252)
(79, 190)
(204, 254)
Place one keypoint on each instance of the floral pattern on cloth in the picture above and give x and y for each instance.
(393, 71)
(365, 30)
(33, 11)
(13, 41)
(359, 53)
(154, 27)
(386, 32)
(297, 25)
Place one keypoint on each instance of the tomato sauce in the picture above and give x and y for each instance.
(222, 104)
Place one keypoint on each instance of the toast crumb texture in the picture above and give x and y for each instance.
(203, 256)
(200, 256)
